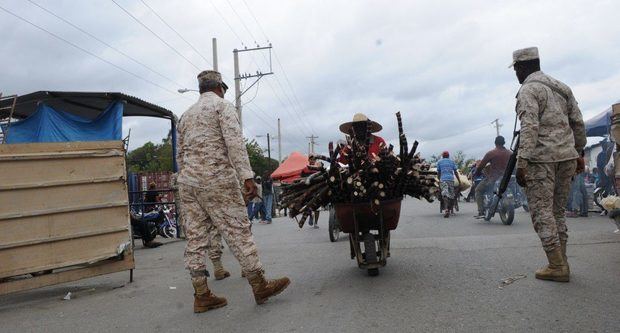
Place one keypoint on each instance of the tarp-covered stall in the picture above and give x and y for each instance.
(64, 210)
(291, 168)
(599, 125)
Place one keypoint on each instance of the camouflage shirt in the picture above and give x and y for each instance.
(211, 151)
(552, 128)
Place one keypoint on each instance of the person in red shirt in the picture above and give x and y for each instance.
(497, 159)
(359, 128)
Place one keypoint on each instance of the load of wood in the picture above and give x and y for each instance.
(366, 178)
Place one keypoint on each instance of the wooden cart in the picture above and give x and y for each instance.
(369, 228)
(63, 213)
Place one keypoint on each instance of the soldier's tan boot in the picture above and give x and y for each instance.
(563, 248)
(557, 270)
(263, 288)
(204, 300)
(218, 270)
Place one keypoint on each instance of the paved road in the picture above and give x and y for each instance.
(444, 276)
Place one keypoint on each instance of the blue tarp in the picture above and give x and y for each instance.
(50, 125)
(599, 125)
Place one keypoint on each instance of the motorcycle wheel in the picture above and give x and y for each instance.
(334, 230)
(169, 231)
(507, 214)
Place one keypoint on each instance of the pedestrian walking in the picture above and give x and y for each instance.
(552, 141)
(213, 162)
(267, 199)
(447, 172)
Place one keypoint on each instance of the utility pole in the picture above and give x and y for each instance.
(237, 87)
(311, 143)
(238, 77)
(279, 143)
(214, 43)
(497, 125)
(268, 146)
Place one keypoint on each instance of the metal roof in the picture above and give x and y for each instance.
(85, 104)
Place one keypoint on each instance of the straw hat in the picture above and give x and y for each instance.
(360, 117)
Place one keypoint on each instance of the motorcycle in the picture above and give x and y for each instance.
(147, 226)
(507, 202)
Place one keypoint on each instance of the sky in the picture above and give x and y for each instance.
(442, 64)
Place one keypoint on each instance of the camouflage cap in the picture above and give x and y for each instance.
(213, 76)
(529, 53)
(210, 76)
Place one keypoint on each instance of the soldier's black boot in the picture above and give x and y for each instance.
(557, 270)
(263, 288)
(204, 300)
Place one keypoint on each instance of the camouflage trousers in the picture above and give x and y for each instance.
(548, 187)
(210, 215)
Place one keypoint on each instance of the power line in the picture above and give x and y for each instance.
(87, 52)
(226, 22)
(254, 60)
(176, 32)
(242, 22)
(255, 20)
(154, 34)
(105, 43)
(290, 86)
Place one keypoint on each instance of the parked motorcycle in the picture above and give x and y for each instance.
(160, 221)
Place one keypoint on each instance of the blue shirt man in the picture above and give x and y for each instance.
(446, 168)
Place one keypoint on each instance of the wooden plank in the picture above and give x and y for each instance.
(103, 267)
(41, 184)
(24, 148)
(60, 225)
(61, 155)
(26, 200)
(52, 211)
(52, 255)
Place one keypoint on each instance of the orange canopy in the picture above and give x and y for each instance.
(291, 168)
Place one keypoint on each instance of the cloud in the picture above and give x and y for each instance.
(442, 64)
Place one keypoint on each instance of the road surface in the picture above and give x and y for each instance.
(444, 276)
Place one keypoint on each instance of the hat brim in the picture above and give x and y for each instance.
(374, 127)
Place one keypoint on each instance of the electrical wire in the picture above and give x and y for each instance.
(290, 86)
(155, 34)
(105, 43)
(88, 52)
(242, 22)
(176, 32)
(301, 121)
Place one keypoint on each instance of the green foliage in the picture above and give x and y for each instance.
(459, 158)
(151, 157)
(261, 165)
(158, 157)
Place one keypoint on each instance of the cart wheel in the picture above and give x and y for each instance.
(373, 271)
(334, 230)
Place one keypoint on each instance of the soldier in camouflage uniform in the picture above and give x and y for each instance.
(213, 163)
(552, 141)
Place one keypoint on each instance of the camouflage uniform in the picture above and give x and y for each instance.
(213, 160)
(552, 134)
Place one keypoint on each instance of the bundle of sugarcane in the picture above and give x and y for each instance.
(371, 179)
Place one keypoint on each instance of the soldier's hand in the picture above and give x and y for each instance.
(521, 173)
(581, 166)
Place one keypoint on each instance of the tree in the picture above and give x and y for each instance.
(152, 157)
(261, 165)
